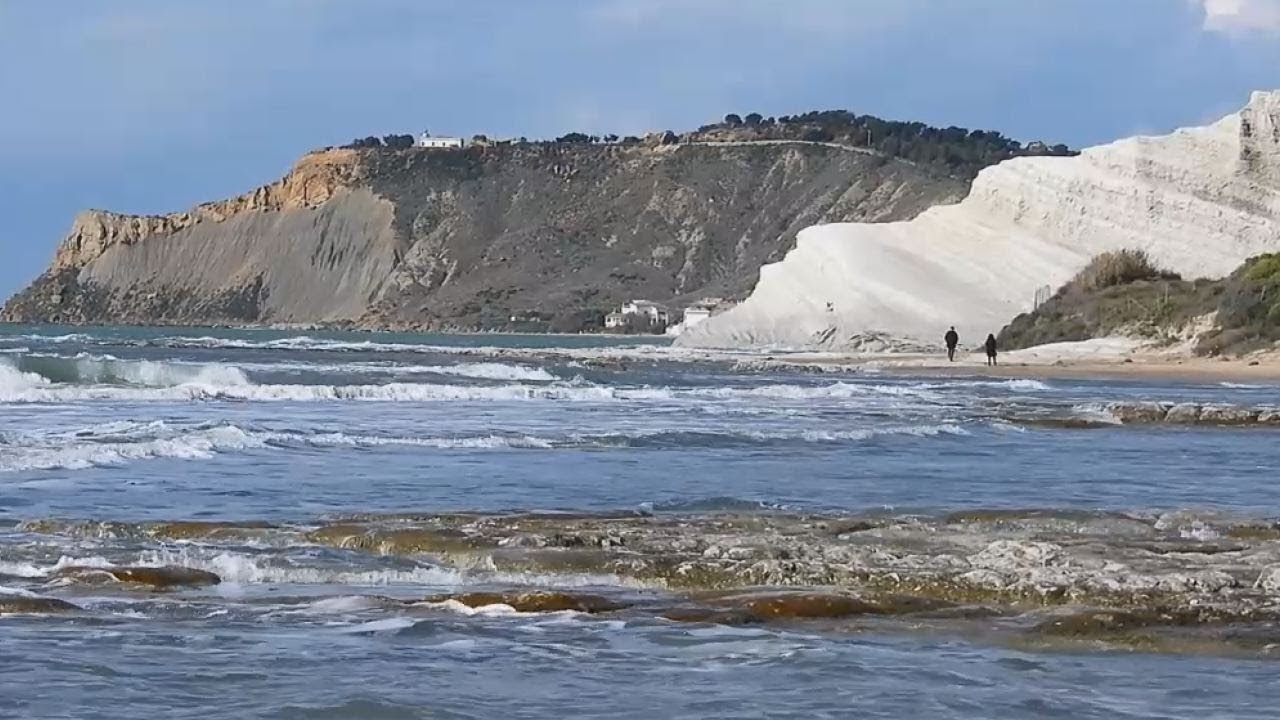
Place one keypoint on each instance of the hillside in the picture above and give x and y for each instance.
(552, 233)
(1199, 201)
(1228, 316)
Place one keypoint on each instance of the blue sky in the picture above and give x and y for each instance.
(154, 105)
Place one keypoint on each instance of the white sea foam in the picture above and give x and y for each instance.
(492, 610)
(123, 442)
(486, 371)
(86, 369)
(391, 624)
(476, 370)
(1096, 412)
(80, 455)
(29, 388)
(237, 568)
(254, 569)
(14, 382)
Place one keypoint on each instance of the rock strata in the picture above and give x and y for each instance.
(550, 234)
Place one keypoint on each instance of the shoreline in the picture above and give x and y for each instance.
(1101, 358)
(1139, 366)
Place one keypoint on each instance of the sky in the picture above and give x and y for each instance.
(150, 106)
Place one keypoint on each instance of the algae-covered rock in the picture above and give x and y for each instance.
(156, 578)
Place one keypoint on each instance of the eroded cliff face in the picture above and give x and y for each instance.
(468, 239)
(1199, 201)
(313, 181)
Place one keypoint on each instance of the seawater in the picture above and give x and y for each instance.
(128, 426)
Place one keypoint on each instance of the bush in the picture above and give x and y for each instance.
(1118, 268)
(1249, 309)
(398, 142)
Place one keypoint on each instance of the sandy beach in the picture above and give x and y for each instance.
(1107, 358)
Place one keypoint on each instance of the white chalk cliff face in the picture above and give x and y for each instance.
(1200, 201)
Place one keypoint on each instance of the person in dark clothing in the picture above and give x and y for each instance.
(990, 344)
(952, 339)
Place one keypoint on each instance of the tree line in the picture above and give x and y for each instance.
(960, 150)
(957, 150)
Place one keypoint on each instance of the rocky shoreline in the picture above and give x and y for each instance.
(1166, 582)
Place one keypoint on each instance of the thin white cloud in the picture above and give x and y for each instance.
(1241, 16)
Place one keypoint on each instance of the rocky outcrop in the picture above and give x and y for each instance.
(1199, 201)
(553, 233)
(313, 181)
(1176, 581)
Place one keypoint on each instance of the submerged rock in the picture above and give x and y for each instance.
(744, 567)
(157, 578)
(1150, 413)
(31, 605)
(191, 529)
(1139, 412)
(400, 540)
(805, 606)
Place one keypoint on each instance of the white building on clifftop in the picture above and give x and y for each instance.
(427, 140)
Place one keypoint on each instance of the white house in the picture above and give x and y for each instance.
(427, 140)
(698, 312)
(653, 312)
(695, 314)
(614, 320)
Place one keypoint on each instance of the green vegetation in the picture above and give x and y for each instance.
(1124, 293)
(956, 151)
(1248, 310)
(960, 151)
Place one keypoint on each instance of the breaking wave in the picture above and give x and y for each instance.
(475, 370)
(85, 369)
(298, 568)
(38, 379)
(121, 443)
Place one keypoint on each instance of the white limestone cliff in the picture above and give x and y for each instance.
(1200, 201)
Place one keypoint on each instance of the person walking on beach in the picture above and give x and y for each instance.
(990, 345)
(952, 339)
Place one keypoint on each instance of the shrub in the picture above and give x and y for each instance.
(1118, 268)
(1249, 309)
(398, 142)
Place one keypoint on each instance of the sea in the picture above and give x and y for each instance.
(228, 452)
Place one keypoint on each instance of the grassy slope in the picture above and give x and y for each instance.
(1148, 303)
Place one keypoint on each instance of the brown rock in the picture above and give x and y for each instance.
(157, 578)
(25, 605)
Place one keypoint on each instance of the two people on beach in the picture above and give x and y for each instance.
(952, 339)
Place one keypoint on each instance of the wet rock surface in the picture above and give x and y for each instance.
(1176, 581)
(155, 578)
(1150, 413)
(24, 605)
